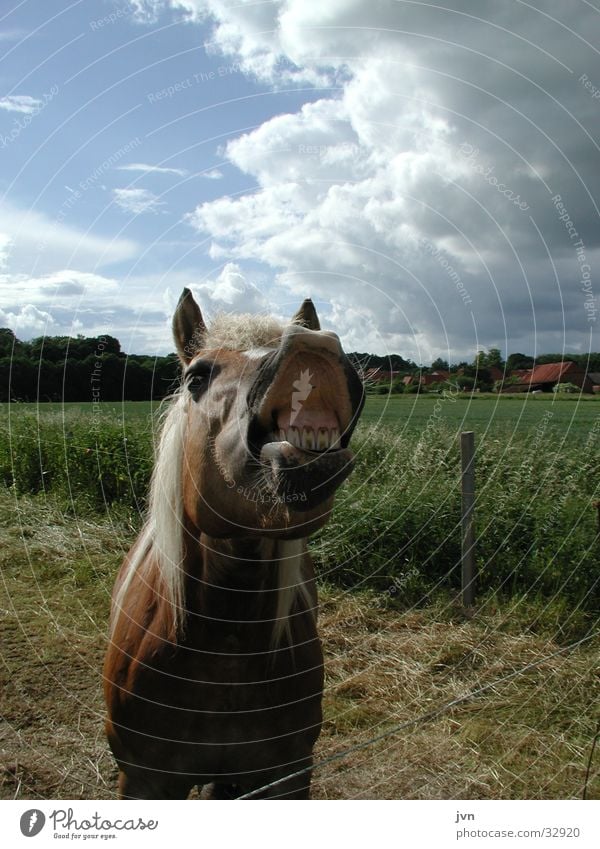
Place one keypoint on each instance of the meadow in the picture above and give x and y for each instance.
(397, 641)
(396, 527)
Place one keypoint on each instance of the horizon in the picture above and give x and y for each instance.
(172, 353)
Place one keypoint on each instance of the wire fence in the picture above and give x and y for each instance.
(429, 716)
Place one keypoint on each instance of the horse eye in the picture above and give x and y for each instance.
(199, 379)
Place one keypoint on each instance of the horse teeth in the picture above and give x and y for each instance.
(308, 438)
(293, 436)
(322, 439)
(335, 438)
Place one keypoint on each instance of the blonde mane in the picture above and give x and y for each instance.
(163, 530)
(242, 332)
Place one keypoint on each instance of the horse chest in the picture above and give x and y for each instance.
(221, 708)
(208, 682)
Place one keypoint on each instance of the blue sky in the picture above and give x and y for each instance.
(399, 163)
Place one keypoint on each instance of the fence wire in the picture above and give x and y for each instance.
(423, 719)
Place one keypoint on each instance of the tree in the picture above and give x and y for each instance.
(464, 382)
(518, 361)
(439, 365)
(499, 385)
(493, 357)
(8, 340)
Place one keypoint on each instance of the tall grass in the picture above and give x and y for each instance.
(396, 526)
(100, 461)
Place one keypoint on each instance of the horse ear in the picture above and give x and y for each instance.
(307, 316)
(188, 327)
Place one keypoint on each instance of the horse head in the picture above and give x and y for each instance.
(269, 412)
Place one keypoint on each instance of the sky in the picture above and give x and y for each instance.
(427, 172)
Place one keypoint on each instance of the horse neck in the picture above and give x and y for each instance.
(248, 580)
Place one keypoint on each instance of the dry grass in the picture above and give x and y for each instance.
(528, 737)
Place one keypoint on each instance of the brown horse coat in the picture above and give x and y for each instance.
(214, 671)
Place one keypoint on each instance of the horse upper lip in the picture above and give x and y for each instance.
(307, 399)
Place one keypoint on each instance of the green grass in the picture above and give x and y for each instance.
(487, 415)
(396, 527)
(528, 736)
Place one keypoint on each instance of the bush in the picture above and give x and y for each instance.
(396, 526)
(568, 388)
(77, 456)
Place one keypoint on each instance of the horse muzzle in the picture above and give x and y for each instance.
(305, 403)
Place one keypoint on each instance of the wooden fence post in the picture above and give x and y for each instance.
(467, 455)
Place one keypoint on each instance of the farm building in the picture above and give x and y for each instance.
(426, 379)
(379, 375)
(594, 377)
(543, 378)
(495, 372)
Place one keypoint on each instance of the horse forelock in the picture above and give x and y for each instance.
(242, 332)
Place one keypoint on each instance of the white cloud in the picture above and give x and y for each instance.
(12, 34)
(152, 169)
(352, 186)
(213, 174)
(137, 201)
(136, 310)
(40, 244)
(5, 246)
(58, 288)
(230, 292)
(147, 11)
(27, 321)
(22, 103)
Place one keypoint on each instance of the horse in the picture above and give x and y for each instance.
(213, 675)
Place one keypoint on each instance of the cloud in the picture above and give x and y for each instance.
(22, 103)
(5, 246)
(28, 321)
(152, 169)
(147, 11)
(450, 128)
(32, 242)
(133, 309)
(137, 201)
(46, 291)
(12, 34)
(213, 174)
(230, 292)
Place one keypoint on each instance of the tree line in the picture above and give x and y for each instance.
(65, 368)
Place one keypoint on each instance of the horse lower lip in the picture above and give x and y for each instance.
(304, 479)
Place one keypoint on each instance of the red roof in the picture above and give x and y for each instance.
(549, 372)
(379, 375)
(434, 377)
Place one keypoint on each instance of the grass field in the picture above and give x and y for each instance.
(397, 644)
(484, 414)
(527, 737)
(397, 521)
